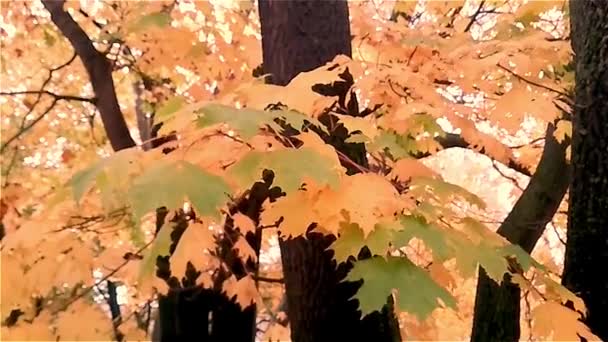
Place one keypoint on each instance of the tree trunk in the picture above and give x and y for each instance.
(587, 246)
(100, 74)
(496, 316)
(302, 35)
(299, 36)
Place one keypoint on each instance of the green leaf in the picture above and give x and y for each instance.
(446, 191)
(247, 122)
(357, 138)
(522, 257)
(417, 293)
(395, 145)
(378, 240)
(160, 247)
(433, 237)
(290, 166)
(117, 164)
(169, 108)
(157, 19)
(49, 39)
(170, 183)
(349, 242)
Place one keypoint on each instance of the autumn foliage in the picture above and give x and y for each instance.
(450, 100)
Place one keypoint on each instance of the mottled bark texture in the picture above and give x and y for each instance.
(100, 74)
(586, 261)
(497, 307)
(300, 36)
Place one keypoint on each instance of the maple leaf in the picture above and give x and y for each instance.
(170, 183)
(244, 290)
(383, 276)
(194, 246)
(291, 167)
(117, 165)
(244, 249)
(160, 247)
(557, 322)
(244, 223)
(247, 122)
(563, 130)
(349, 242)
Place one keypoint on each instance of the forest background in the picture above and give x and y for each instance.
(197, 169)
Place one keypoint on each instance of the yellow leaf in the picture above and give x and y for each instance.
(244, 289)
(192, 247)
(556, 322)
(244, 223)
(563, 130)
(244, 249)
(441, 275)
(405, 169)
(328, 207)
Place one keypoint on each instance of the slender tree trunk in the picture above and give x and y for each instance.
(496, 316)
(100, 74)
(300, 36)
(587, 246)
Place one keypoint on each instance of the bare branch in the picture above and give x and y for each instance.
(267, 280)
(451, 140)
(49, 93)
(536, 84)
(26, 127)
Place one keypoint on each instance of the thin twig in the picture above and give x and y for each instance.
(532, 82)
(100, 281)
(50, 93)
(267, 279)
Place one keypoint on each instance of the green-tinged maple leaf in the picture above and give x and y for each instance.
(160, 247)
(445, 191)
(157, 19)
(117, 165)
(169, 108)
(170, 183)
(291, 167)
(396, 145)
(381, 237)
(434, 237)
(417, 293)
(247, 122)
(357, 138)
(425, 123)
(349, 241)
(522, 257)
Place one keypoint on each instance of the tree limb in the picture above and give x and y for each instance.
(497, 305)
(100, 74)
(451, 140)
(49, 93)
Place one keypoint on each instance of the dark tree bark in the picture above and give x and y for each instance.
(587, 246)
(497, 307)
(100, 74)
(299, 36)
(302, 35)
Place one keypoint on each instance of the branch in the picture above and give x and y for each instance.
(479, 144)
(523, 226)
(474, 16)
(100, 74)
(23, 127)
(267, 280)
(536, 84)
(49, 93)
(26, 127)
